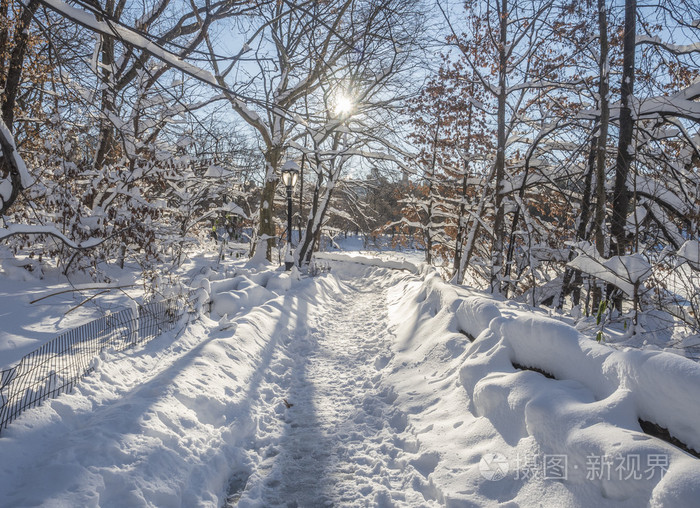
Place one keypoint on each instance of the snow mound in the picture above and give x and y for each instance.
(280, 282)
(246, 290)
(475, 314)
(232, 302)
(662, 386)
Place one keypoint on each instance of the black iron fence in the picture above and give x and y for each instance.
(61, 363)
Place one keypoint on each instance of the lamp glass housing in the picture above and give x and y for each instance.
(290, 176)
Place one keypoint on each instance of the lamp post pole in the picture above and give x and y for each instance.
(290, 173)
(287, 262)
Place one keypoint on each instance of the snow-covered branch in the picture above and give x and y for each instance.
(682, 104)
(18, 178)
(676, 49)
(20, 229)
(132, 38)
(624, 272)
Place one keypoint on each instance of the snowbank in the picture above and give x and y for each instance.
(662, 386)
(245, 291)
(162, 425)
(588, 417)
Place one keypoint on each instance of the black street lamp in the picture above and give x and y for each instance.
(290, 173)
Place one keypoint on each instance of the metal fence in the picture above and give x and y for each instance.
(61, 363)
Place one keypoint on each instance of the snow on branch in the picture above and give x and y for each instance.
(690, 253)
(18, 177)
(661, 193)
(676, 49)
(20, 229)
(228, 208)
(132, 38)
(7, 137)
(624, 272)
(682, 104)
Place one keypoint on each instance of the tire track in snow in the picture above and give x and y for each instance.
(341, 443)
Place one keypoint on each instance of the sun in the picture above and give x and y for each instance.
(344, 105)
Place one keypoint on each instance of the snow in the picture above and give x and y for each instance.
(664, 192)
(397, 264)
(632, 267)
(25, 178)
(5, 190)
(622, 271)
(248, 114)
(215, 171)
(290, 165)
(374, 383)
(636, 218)
(690, 252)
(247, 295)
(26, 326)
(475, 313)
(590, 411)
(677, 49)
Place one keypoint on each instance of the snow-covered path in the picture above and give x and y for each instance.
(341, 440)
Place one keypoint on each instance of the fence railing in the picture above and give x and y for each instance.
(59, 364)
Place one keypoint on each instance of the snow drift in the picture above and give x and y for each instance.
(591, 411)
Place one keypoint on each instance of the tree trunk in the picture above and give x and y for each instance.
(471, 237)
(624, 146)
(509, 286)
(301, 193)
(4, 35)
(431, 199)
(461, 224)
(266, 226)
(603, 92)
(307, 241)
(312, 235)
(105, 148)
(572, 278)
(11, 89)
(498, 226)
(14, 71)
(461, 228)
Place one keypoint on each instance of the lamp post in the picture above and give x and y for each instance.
(290, 173)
